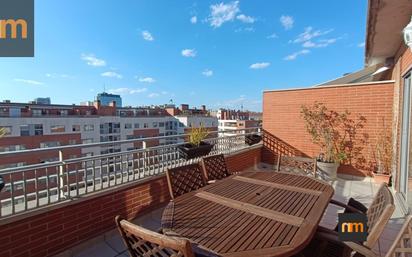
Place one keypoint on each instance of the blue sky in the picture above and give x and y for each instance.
(222, 54)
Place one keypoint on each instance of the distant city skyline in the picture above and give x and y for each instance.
(219, 53)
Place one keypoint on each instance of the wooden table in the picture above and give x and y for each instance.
(251, 214)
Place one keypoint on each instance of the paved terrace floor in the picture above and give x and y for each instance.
(346, 186)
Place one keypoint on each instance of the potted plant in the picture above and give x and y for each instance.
(196, 147)
(383, 155)
(335, 133)
(252, 139)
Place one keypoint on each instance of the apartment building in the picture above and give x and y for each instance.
(29, 126)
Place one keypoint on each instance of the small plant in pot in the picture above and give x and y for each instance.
(336, 135)
(196, 147)
(383, 154)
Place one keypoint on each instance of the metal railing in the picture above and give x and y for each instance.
(34, 186)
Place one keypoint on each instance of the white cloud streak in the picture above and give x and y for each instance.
(207, 73)
(147, 35)
(111, 74)
(92, 60)
(189, 52)
(287, 21)
(221, 13)
(293, 56)
(245, 19)
(193, 19)
(147, 80)
(29, 81)
(127, 91)
(309, 33)
(259, 65)
(153, 95)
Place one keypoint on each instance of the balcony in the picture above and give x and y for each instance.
(67, 207)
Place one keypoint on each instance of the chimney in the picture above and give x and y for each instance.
(184, 107)
(203, 107)
(97, 104)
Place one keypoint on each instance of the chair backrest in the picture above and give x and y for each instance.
(184, 179)
(379, 213)
(402, 246)
(297, 165)
(214, 167)
(143, 242)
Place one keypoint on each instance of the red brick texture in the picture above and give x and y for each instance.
(286, 130)
(54, 231)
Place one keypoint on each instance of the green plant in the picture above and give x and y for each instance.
(196, 135)
(383, 149)
(334, 132)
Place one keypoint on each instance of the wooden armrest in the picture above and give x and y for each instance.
(332, 236)
(350, 208)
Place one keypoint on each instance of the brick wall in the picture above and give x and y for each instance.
(56, 229)
(286, 130)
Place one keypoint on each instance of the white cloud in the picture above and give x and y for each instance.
(272, 36)
(127, 91)
(207, 73)
(293, 56)
(245, 19)
(56, 75)
(221, 13)
(147, 35)
(259, 65)
(309, 34)
(147, 80)
(361, 44)
(153, 95)
(189, 52)
(111, 74)
(91, 60)
(320, 43)
(29, 81)
(287, 21)
(193, 20)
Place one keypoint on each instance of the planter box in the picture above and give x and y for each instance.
(189, 151)
(328, 171)
(252, 139)
(383, 178)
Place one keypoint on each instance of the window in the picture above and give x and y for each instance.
(161, 124)
(87, 141)
(75, 128)
(38, 129)
(64, 112)
(136, 125)
(24, 130)
(6, 130)
(88, 127)
(57, 129)
(49, 144)
(12, 165)
(154, 124)
(72, 141)
(146, 125)
(181, 124)
(130, 137)
(36, 113)
(128, 126)
(11, 148)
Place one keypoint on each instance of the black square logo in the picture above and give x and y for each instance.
(16, 28)
(353, 227)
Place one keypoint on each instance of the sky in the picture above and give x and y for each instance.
(221, 54)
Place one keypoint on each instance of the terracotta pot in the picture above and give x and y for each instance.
(382, 178)
(328, 170)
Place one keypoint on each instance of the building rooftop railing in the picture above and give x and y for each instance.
(38, 185)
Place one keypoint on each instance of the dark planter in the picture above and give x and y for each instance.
(252, 139)
(189, 151)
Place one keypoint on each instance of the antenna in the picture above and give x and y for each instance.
(104, 88)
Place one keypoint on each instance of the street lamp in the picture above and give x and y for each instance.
(407, 34)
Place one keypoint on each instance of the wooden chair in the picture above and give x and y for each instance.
(298, 165)
(214, 167)
(143, 242)
(326, 242)
(184, 179)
